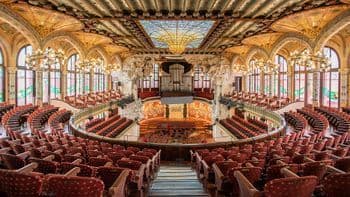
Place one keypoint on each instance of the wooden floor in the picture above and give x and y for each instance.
(176, 180)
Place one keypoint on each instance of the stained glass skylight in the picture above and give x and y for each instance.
(170, 33)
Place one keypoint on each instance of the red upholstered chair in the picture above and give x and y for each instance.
(284, 187)
(337, 185)
(274, 171)
(115, 180)
(60, 186)
(115, 156)
(71, 158)
(343, 164)
(44, 166)
(207, 162)
(147, 162)
(251, 173)
(133, 149)
(221, 174)
(12, 162)
(85, 170)
(317, 169)
(16, 184)
(138, 170)
(96, 162)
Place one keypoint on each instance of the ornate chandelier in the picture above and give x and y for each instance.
(111, 67)
(315, 62)
(177, 41)
(88, 64)
(44, 59)
(268, 67)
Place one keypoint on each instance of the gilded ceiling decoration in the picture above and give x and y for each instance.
(311, 22)
(119, 20)
(89, 39)
(45, 21)
(265, 41)
(112, 49)
(243, 49)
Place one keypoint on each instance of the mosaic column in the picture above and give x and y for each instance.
(38, 86)
(11, 84)
(290, 80)
(270, 85)
(262, 83)
(344, 91)
(244, 83)
(316, 88)
(64, 83)
(92, 81)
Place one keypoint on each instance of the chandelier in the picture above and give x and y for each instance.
(87, 64)
(316, 62)
(177, 41)
(109, 68)
(44, 59)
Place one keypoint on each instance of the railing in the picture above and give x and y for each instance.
(177, 150)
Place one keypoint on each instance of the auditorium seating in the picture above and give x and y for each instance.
(242, 128)
(291, 164)
(53, 163)
(92, 98)
(272, 103)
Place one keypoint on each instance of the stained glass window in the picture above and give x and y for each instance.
(99, 80)
(52, 82)
(330, 83)
(158, 30)
(299, 82)
(282, 84)
(25, 77)
(71, 75)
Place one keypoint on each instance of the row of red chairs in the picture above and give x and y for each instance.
(37, 119)
(93, 122)
(64, 164)
(4, 108)
(339, 120)
(258, 123)
(241, 128)
(91, 99)
(292, 165)
(296, 120)
(317, 121)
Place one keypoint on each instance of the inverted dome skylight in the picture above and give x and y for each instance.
(177, 34)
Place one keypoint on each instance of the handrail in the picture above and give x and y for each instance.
(92, 110)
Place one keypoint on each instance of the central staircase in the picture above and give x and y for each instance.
(178, 180)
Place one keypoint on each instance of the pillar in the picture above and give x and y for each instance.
(64, 82)
(11, 90)
(38, 86)
(92, 80)
(262, 83)
(316, 88)
(344, 91)
(290, 80)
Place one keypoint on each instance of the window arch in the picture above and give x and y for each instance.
(52, 82)
(330, 79)
(2, 77)
(254, 78)
(99, 80)
(25, 77)
(72, 75)
(281, 83)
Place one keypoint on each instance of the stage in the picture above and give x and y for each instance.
(175, 130)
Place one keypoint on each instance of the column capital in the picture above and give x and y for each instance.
(11, 69)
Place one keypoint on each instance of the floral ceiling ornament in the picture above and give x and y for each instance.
(313, 61)
(87, 65)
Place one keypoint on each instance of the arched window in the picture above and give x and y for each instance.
(299, 82)
(99, 80)
(72, 75)
(282, 84)
(201, 80)
(330, 82)
(52, 82)
(25, 77)
(2, 78)
(254, 78)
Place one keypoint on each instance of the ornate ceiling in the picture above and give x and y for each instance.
(118, 21)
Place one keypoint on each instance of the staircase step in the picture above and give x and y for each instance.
(183, 192)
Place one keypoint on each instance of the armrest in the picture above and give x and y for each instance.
(118, 187)
(205, 169)
(24, 155)
(141, 171)
(108, 164)
(77, 161)
(218, 173)
(332, 169)
(4, 150)
(27, 168)
(246, 188)
(288, 173)
(49, 158)
(73, 172)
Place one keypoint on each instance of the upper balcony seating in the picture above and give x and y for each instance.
(318, 122)
(241, 128)
(339, 120)
(91, 99)
(270, 102)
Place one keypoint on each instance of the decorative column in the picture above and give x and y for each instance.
(38, 85)
(270, 85)
(290, 80)
(64, 81)
(344, 84)
(262, 83)
(92, 81)
(316, 88)
(11, 91)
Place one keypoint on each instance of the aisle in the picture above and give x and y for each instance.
(176, 181)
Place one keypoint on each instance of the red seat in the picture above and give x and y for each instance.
(337, 185)
(291, 186)
(12, 162)
(16, 184)
(343, 164)
(85, 170)
(61, 186)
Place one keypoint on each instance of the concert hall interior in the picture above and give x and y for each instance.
(160, 98)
